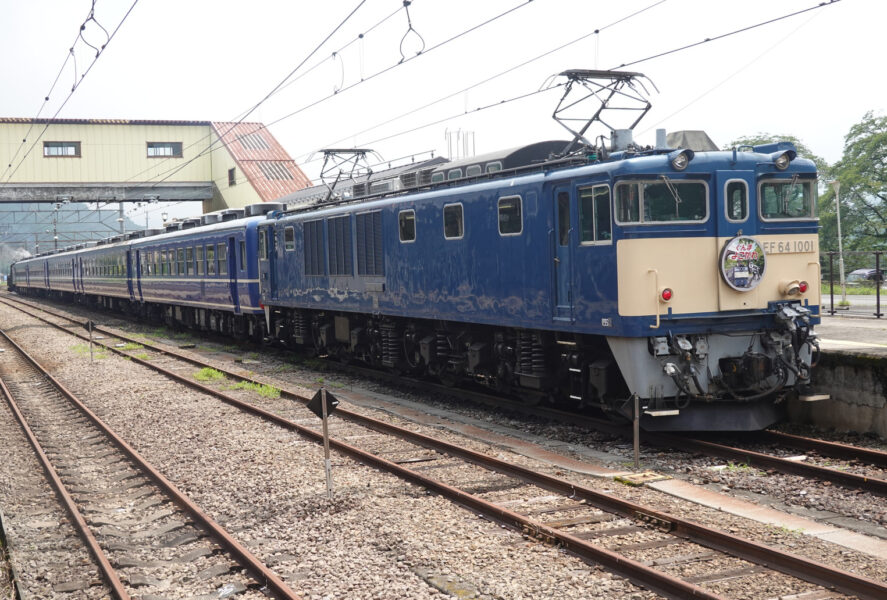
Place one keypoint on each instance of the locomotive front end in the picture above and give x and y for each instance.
(723, 305)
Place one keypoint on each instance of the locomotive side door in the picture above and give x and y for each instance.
(562, 255)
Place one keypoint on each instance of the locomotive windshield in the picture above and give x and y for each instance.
(788, 199)
(664, 201)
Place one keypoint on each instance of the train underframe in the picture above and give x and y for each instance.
(704, 381)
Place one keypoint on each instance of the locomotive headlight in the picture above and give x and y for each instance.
(781, 160)
(680, 159)
(792, 288)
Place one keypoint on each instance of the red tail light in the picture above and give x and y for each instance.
(803, 286)
(666, 295)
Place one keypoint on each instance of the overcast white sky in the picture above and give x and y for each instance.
(812, 76)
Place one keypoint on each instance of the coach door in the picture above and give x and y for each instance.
(232, 274)
(264, 235)
(129, 275)
(46, 274)
(138, 269)
(562, 254)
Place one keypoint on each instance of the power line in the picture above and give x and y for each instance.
(496, 76)
(178, 168)
(725, 35)
(99, 52)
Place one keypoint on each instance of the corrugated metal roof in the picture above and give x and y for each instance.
(29, 121)
(262, 159)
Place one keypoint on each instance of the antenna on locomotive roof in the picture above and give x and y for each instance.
(339, 160)
(616, 91)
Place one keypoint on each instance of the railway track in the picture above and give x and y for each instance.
(667, 554)
(134, 522)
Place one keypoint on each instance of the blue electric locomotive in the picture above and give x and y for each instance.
(687, 279)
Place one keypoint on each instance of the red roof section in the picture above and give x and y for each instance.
(262, 159)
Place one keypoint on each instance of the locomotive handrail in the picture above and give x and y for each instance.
(655, 295)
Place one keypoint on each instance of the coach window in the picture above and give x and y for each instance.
(494, 166)
(198, 257)
(210, 260)
(454, 174)
(242, 255)
(473, 171)
(222, 257)
(181, 256)
(594, 215)
(437, 177)
(736, 200)
(454, 228)
(406, 221)
(289, 239)
(510, 221)
(189, 260)
(163, 262)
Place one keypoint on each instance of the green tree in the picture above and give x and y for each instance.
(862, 172)
(803, 151)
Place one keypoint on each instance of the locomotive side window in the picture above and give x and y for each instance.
(339, 245)
(312, 232)
(406, 221)
(454, 227)
(665, 201)
(510, 221)
(736, 201)
(210, 260)
(289, 239)
(787, 199)
(222, 257)
(198, 255)
(594, 214)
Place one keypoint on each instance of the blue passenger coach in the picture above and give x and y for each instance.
(688, 279)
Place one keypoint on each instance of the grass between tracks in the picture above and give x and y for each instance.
(208, 374)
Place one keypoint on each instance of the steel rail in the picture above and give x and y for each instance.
(826, 448)
(796, 566)
(259, 570)
(109, 573)
(766, 461)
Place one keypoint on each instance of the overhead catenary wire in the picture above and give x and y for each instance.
(69, 55)
(492, 77)
(76, 85)
(170, 172)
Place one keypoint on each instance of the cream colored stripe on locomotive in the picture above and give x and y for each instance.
(689, 266)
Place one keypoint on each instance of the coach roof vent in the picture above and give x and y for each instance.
(210, 218)
(150, 232)
(132, 235)
(263, 208)
(174, 226)
(232, 214)
(191, 223)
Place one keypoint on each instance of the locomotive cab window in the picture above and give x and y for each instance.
(594, 215)
(736, 201)
(454, 227)
(510, 221)
(664, 201)
(787, 199)
(406, 221)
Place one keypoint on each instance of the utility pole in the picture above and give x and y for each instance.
(836, 185)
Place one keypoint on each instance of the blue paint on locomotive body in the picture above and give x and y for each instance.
(510, 280)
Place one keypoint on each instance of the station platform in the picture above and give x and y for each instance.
(853, 335)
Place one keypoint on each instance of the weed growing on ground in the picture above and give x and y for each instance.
(131, 346)
(208, 374)
(142, 356)
(261, 389)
